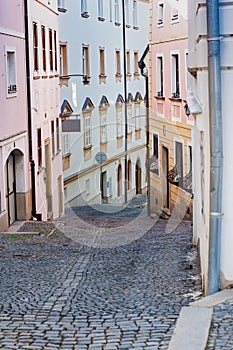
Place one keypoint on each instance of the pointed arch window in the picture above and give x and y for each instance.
(130, 118)
(119, 119)
(87, 109)
(103, 107)
(137, 110)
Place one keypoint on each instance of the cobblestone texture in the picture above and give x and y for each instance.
(221, 330)
(56, 293)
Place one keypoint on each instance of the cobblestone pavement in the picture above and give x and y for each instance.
(221, 330)
(57, 292)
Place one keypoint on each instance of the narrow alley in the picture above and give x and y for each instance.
(62, 289)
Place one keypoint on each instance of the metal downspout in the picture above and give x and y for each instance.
(29, 105)
(216, 148)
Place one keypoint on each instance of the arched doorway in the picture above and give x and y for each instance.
(14, 183)
(138, 177)
(119, 181)
(129, 174)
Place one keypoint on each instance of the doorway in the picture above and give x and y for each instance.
(165, 184)
(104, 186)
(11, 202)
(138, 177)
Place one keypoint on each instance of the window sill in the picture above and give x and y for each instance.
(101, 19)
(159, 97)
(66, 155)
(117, 24)
(119, 136)
(135, 27)
(128, 26)
(87, 147)
(85, 14)
(178, 99)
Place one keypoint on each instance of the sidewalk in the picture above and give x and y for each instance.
(206, 324)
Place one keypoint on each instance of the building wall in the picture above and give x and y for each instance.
(105, 34)
(199, 65)
(13, 118)
(168, 120)
(45, 97)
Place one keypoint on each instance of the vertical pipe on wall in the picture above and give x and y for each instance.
(125, 98)
(216, 148)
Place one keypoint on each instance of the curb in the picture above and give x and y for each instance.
(193, 324)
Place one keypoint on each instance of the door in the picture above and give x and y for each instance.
(48, 179)
(104, 186)
(138, 177)
(165, 184)
(11, 189)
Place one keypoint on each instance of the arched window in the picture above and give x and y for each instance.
(129, 177)
(119, 181)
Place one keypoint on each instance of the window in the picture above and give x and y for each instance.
(128, 63)
(160, 76)
(175, 15)
(119, 181)
(117, 16)
(160, 14)
(63, 59)
(129, 177)
(39, 148)
(179, 162)
(175, 76)
(35, 47)
(58, 134)
(137, 116)
(130, 119)
(86, 62)
(127, 13)
(61, 5)
(51, 49)
(135, 14)
(156, 153)
(136, 71)
(55, 49)
(43, 39)
(84, 12)
(87, 186)
(119, 122)
(66, 144)
(87, 132)
(118, 63)
(103, 126)
(100, 10)
(190, 159)
(53, 137)
(11, 71)
(102, 62)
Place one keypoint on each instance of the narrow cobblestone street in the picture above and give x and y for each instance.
(66, 289)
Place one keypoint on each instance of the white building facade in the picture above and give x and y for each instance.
(198, 66)
(45, 107)
(95, 83)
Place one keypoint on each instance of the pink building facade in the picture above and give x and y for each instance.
(170, 127)
(14, 165)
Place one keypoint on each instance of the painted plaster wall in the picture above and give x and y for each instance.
(104, 34)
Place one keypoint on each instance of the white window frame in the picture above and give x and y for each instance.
(100, 10)
(11, 71)
(137, 108)
(84, 12)
(103, 123)
(160, 17)
(87, 131)
(65, 144)
(160, 75)
(135, 14)
(130, 118)
(119, 121)
(117, 12)
(174, 75)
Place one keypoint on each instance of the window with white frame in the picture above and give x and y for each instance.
(160, 76)
(118, 63)
(11, 71)
(87, 131)
(128, 62)
(100, 10)
(129, 117)
(136, 68)
(58, 134)
(63, 59)
(160, 18)
(117, 12)
(35, 47)
(135, 14)
(43, 41)
(110, 9)
(119, 121)
(86, 62)
(55, 49)
(51, 50)
(137, 115)
(102, 61)
(175, 76)
(66, 144)
(103, 126)
(127, 13)
(84, 12)
(175, 15)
